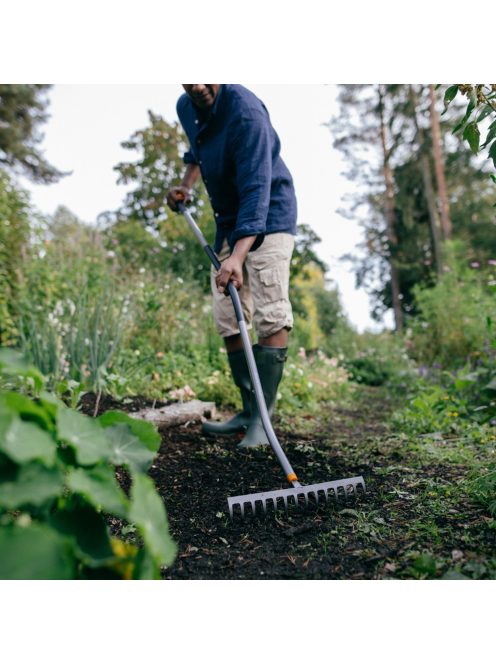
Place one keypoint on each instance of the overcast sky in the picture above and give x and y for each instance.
(88, 123)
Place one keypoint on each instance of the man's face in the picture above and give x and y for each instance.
(202, 94)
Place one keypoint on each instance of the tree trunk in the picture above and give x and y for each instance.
(390, 219)
(437, 152)
(428, 188)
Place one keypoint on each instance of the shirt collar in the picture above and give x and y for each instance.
(205, 118)
(217, 99)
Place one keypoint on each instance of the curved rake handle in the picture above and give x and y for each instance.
(250, 358)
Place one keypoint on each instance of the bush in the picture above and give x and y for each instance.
(373, 358)
(452, 325)
(57, 481)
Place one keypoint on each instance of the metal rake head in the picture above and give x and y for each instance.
(300, 496)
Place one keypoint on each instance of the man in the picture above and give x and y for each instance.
(235, 149)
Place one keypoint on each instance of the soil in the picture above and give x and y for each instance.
(379, 535)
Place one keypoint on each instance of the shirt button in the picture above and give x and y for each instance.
(200, 162)
(198, 141)
(216, 214)
(196, 121)
(205, 181)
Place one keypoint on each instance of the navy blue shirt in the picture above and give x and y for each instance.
(238, 152)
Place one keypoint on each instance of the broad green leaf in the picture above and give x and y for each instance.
(145, 566)
(99, 486)
(18, 404)
(471, 134)
(491, 385)
(492, 153)
(81, 522)
(84, 435)
(148, 513)
(25, 441)
(491, 133)
(127, 450)
(5, 422)
(12, 363)
(34, 552)
(449, 95)
(470, 108)
(31, 485)
(50, 403)
(145, 431)
(487, 110)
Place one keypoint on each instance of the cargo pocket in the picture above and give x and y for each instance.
(273, 290)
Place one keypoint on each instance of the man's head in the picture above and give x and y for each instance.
(202, 94)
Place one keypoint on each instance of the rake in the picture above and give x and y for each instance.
(298, 494)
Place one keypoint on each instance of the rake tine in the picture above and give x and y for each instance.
(340, 490)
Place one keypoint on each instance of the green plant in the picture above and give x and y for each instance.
(374, 358)
(452, 324)
(481, 105)
(57, 484)
(14, 233)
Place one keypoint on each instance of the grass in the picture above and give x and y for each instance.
(421, 518)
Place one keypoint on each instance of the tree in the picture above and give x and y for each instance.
(398, 205)
(23, 109)
(390, 214)
(144, 231)
(425, 165)
(362, 134)
(437, 153)
(14, 236)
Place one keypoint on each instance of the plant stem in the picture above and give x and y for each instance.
(97, 403)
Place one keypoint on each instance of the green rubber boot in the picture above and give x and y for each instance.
(241, 377)
(270, 364)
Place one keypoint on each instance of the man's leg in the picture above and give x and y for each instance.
(268, 268)
(233, 343)
(227, 327)
(278, 339)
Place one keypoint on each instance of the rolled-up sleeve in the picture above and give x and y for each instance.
(253, 161)
(189, 158)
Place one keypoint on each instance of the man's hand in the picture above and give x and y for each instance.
(176, 194)
(183, 192)
(230, 270)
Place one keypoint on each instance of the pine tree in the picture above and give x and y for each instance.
(23, 109)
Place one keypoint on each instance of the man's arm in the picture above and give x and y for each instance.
(183, 192)
(232, 268)
(251, 149)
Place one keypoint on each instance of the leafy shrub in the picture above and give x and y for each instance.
(373, 358)
(309, 381)
(57, 481)
(452, 325)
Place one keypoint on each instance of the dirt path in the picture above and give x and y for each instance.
(414, 522)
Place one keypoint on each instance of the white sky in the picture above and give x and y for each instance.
(88, 123)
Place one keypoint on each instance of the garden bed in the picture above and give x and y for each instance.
(414, 522)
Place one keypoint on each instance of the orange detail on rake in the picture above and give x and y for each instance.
(292, 477)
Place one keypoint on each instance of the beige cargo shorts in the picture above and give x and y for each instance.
(265, 292)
